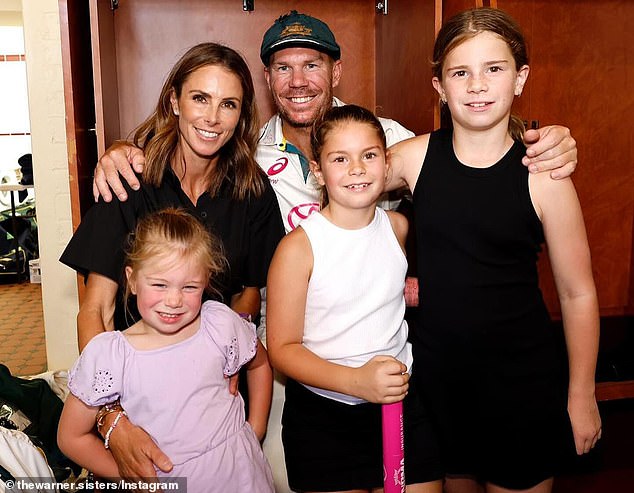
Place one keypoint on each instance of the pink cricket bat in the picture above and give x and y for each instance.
(393, 448)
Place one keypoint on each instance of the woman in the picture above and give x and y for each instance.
(199, 145)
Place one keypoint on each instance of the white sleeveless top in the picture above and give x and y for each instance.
(355, 304)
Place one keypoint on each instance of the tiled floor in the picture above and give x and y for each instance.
(22, 342)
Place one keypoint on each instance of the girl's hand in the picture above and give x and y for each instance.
(381, 380)
(233, 383)
(586, 422)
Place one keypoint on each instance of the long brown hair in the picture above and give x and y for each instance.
(158, 135)
(468, 24)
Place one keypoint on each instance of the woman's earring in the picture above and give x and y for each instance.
(175, 112)
(443, 99)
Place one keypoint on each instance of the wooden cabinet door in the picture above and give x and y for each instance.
(80, 109)
(404, 44)
(106, 88)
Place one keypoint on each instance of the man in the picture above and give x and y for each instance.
(302, 68)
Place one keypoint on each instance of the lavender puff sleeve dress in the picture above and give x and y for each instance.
(179, 395)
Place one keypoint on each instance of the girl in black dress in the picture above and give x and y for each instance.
(489, 362)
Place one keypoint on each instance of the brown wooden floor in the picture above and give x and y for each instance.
(22, 342)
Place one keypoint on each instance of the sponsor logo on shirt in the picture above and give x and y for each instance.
(277, 167)
(301, 212)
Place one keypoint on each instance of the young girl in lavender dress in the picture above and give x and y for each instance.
(169, 369)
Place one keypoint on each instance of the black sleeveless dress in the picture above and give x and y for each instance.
(490, 366)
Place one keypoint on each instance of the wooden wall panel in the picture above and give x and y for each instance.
(152, 34)
(452, 7)
(405, 40)
(582, 59)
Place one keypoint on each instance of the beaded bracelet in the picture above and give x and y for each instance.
(106, 441)
(104, 411)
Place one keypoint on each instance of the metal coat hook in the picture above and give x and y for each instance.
(114, 4)
(381, 7)
(248, 5)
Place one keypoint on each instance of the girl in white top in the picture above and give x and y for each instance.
(335, 321)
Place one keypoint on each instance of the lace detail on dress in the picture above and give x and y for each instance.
(233, 353)
(93, 387)
(234, 360)
(102, 382)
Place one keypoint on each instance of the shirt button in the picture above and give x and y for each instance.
(203, 215)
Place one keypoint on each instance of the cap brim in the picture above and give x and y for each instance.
(300, 42)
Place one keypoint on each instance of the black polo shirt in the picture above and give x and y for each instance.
(249, 229)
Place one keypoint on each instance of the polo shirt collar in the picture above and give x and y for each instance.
(272, 132)
(273, 135)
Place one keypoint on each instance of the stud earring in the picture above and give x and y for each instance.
(176, 112)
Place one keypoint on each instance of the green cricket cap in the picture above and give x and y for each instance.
(295, 29)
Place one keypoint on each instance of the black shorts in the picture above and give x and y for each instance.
(331, 446)
(498, 424)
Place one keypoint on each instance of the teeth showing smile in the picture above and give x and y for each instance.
(304, 99)
(478, 105)
(207, 134)
(358, 186)
(168, 315)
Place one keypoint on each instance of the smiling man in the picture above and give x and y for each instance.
(302, 68)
